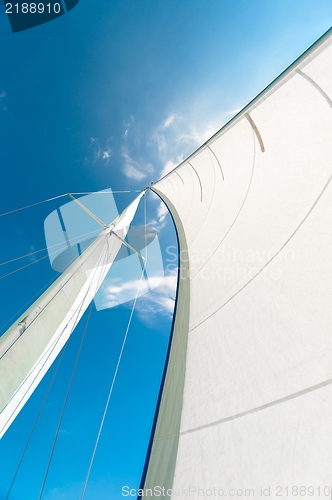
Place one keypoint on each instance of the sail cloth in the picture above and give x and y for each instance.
(29, 347)
(247, 398)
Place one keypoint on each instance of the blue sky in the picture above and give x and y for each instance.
(113, 94)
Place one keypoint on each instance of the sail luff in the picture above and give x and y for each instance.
(161, 457)
(30, 346)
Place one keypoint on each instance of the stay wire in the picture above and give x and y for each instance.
(64, 405)
(33, 205)
(81, 303)
(145, 235)
(52, 280)
(59, 337)
(50, 246)
(62, 196)
(27, 265)
(111, 388)
(71, 381)
(35, 422)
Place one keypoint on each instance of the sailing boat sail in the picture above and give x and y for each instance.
(246, 402)
(247, 397)
(29, 347)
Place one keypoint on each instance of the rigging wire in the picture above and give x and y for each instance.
(35, 423)
(109, 192)
(111, 390)
(65, 404)
(112, 386)
(30, 264)
(51, 246)
(61, 196)
(80, 305)
(52, 280)
(60, 335)
(29, 301)
(69, 388)
(33, 205)
(72, 377)
(27, 265)
(145, 234)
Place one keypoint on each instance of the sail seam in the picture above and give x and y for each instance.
(214, 154)
(209, 207)
(177, 173)
(199, 180)
(240, 209)
(252, 410)
(257, 133)
(320, 90)
(259, 408)
(272, 258)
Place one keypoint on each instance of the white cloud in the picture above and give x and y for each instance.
(100, 152)
(106, 155)
(169, 121)
(162, 211)
(233, 112)
(170, 165)
(160, 300)
(133, 168)
(149, 168)
(133, 173)
(201, 136)
(177, 137)
(2, 94)
(173, 139)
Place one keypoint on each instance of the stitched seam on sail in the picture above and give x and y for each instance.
(272, 258)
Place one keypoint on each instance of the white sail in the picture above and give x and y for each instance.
(247, 398)
(30, 346)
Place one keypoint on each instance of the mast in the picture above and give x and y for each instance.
(29, 347)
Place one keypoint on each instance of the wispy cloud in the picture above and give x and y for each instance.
(101, 151)
(2, 94)
(133, 173)
(162, 211)
(176, 138)
(133, 169)
(106, 155)
(127, 127)
(170, 141)
(169, 121)
(170, 165)
(160, 222)
(233, 112)
(159, 300)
